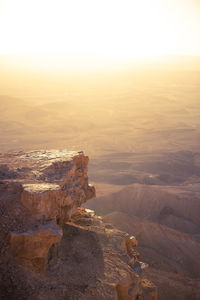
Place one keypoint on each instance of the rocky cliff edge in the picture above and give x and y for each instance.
(53, 249)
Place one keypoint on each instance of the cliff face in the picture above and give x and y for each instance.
(53, 249)
(54, 183)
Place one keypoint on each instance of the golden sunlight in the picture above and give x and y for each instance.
(116, 29)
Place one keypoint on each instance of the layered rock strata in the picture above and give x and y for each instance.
(53, 249)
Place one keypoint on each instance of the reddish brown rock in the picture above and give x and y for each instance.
(50, 185)
(55, 182)
(31, 247)
(91, 258)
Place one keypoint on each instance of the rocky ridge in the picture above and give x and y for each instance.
(53, 249)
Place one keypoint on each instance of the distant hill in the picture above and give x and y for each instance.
(153, 203)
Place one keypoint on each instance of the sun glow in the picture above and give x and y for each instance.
(115, 29)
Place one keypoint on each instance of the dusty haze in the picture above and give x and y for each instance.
(152, 107)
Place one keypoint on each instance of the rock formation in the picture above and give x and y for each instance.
(53, 249)
(166, 222)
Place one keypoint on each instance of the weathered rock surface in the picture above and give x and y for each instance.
(31, 247)
(54, 182)
(44, 188)
(89, 263)
(53, 249)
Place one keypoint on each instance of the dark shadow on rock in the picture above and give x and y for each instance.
(78, 258)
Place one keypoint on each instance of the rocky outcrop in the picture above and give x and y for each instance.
(53, 249)
(51, 186)
(54, 183)
(94, 259)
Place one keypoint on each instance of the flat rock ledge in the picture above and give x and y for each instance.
(54, 183)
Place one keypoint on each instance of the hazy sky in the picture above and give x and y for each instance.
(108, 28)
